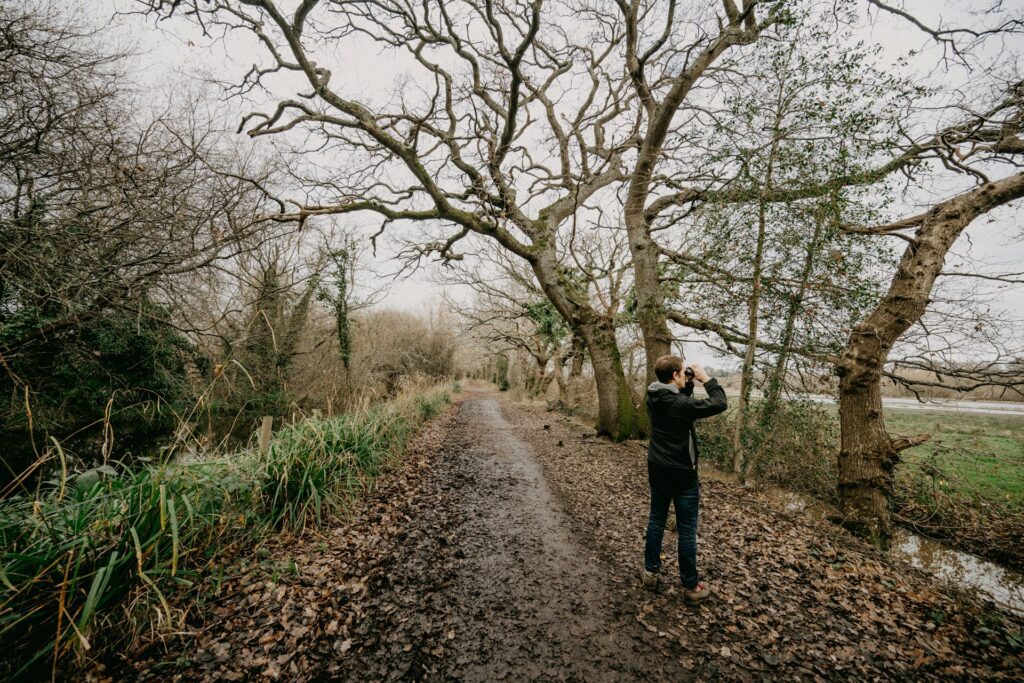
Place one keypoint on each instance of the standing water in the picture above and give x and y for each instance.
(1002, 585)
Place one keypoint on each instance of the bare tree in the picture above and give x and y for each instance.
(107, 209)
(509, 313)
(663, 84)
(991, 141)
(498, 140)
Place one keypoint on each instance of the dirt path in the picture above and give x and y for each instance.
(531, 602)
(505, 546)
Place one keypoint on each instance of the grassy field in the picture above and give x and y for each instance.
(981, 455)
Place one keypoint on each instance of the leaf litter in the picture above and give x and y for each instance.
(505, 544)
(796, 597)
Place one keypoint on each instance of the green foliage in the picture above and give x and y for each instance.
(501, 376)
(797, 446)
(804, 132)
(72, 554)
(131, 360)
(551, 326)
(139, 358)
(716, 440)
(337, 296)
(269, 333)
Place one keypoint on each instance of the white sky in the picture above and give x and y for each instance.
(995, 243)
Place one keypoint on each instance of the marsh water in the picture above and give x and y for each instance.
(1002, 585)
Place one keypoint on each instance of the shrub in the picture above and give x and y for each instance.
(501, 373)
(134, 362)
(797, 448)
(715, 444)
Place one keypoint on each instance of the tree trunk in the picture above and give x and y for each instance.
(650, 299)
(754, 303)
(746, 376)
(617, 417)
(867, 456)
(579, 352)
(558, 374)
(540, 376)
(867, 453)
(777, 378)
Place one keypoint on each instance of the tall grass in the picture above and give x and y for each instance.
(313, 469)
(71, 555)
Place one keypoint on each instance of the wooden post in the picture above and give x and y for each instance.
(266, 430)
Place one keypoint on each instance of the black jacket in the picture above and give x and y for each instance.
(672, 455)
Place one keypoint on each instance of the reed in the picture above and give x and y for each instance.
(315, 467)
(70, 555)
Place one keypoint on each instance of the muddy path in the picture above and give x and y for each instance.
(531, 601)
(505, 545)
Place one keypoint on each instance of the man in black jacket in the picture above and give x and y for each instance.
(672, 466)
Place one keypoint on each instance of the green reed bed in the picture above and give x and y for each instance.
(314, 468)
(79, 557)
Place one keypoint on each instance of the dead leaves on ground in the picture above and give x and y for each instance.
(795, 597)
(359, 602)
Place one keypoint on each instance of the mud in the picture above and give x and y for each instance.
(531, 603)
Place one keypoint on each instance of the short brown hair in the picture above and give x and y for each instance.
(666, 366)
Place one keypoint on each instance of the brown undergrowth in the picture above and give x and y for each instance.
(795, 597)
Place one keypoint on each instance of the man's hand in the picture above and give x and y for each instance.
(698, 373)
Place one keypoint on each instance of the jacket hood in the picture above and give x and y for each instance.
(656, 387)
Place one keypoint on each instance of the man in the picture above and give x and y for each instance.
(672, 466)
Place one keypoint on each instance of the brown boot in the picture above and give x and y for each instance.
(697, 594)
(649, 579)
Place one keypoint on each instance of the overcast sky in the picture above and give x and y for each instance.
(167, 60)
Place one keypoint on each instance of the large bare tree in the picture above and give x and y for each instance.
(521, 120)
(987, 148)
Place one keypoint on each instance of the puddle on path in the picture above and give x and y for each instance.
(1003, 586)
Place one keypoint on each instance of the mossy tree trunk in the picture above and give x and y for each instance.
(617, 416)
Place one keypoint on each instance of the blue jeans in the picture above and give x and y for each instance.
(686, 504)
